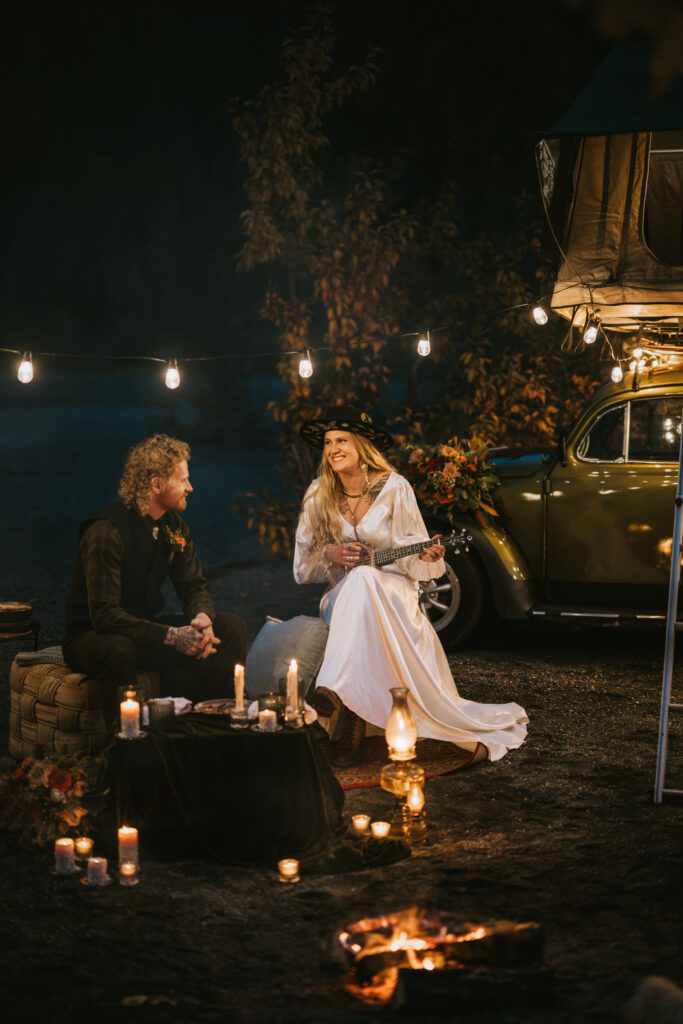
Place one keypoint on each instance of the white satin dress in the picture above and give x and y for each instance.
(379, 637)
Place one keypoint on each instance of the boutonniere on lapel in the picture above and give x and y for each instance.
(175, 539)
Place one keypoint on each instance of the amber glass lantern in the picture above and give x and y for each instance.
(402, 775)
(400, 731)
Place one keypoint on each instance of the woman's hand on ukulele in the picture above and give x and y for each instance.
(343, 554)
(434, 552)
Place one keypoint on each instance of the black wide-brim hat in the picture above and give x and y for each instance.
(345, 417)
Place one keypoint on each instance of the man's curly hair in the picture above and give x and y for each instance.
(155, 456)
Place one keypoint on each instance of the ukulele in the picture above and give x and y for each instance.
(368, 556)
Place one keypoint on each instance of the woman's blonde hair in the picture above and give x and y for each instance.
(324, 512)
(155, 456)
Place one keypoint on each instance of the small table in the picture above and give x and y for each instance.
(201, 788)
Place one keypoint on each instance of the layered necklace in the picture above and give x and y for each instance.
(345, 504)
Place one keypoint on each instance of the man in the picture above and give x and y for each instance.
(111, 624)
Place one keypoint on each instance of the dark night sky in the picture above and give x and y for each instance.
(121, 176)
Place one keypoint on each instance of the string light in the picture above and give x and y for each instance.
(540, 316)
(617, 374)
(25, 371)
(424, 345)
(172, 378)
(591, 331)
(306, 366)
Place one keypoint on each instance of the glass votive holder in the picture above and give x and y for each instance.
(128, 872)
(268, 701)
(97, 872)
(239, 718)
(294, 718)
(267, 720)
(380, 829)
(288, 869)
(161, 712)
(65, 857)
(83, 847)
(361, 824)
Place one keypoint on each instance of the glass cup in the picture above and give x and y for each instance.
(238, 718)
(161, 712)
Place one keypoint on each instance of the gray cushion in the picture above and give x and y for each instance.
(302, 637)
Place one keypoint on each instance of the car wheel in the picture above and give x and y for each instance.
(455, 602)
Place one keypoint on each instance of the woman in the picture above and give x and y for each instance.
(379, 637)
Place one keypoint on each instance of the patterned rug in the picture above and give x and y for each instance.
(435, 756)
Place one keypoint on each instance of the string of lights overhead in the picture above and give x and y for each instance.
(539, 314)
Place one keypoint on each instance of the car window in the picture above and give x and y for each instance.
(604, 442)
(655, 430)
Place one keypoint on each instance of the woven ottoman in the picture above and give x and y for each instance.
(52, 707)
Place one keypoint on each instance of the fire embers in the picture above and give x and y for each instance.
(411, 958)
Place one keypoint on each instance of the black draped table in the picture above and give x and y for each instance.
(200, 788)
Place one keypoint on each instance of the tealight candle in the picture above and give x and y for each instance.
(97, 871)
(239, 687)
(65, 861)
(267, 720)
(130, 718)
(289, 869)
(128, 872)
(128, 843)
(380, 829)
(361, 823)
(84, 845)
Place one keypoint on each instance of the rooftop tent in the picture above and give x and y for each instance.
(611, 173)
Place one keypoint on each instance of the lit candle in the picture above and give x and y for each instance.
(415, 798)
(130, 718)
(239, 687)
(380, 829)
(267, 720)
(289, 869)
(293, 684)
(128, 843)
(128, 872)
(84, 845)
(65, 861)
(361, 823)
(97, 871)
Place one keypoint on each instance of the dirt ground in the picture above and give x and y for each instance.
(563, 831)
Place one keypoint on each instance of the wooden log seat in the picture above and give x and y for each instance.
(52, 707)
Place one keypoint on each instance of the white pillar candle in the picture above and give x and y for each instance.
(267, 720)
(130, 718)
(128, 872)
(289, 869)
(239, 687)
(97, 871)
(65, 861)
(128, 843)
(84, 845)
(361, 823)
(380, 829)
(293, 684)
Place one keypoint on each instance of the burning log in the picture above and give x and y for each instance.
(482, 989)
(398, 951)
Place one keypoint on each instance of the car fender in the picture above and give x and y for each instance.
(513, 588)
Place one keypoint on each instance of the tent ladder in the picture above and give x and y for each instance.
(672, 627)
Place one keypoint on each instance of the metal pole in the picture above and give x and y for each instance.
(671, 616)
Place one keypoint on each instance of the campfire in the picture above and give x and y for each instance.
(413, 957)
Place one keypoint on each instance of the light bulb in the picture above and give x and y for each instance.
(172, 378)
(424, 346)
(306, 366)
(668, 423)
(591, 332)
(637, 353)
(540, 315)
(617, 375)
(642, 364)
(25, 371)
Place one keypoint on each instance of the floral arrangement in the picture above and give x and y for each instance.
(451, 477)
(176, 539)
(43, 799)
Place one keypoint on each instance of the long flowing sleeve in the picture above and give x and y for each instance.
(308, 567)
(407, 527)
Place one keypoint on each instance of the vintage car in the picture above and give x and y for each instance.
(585, 529)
